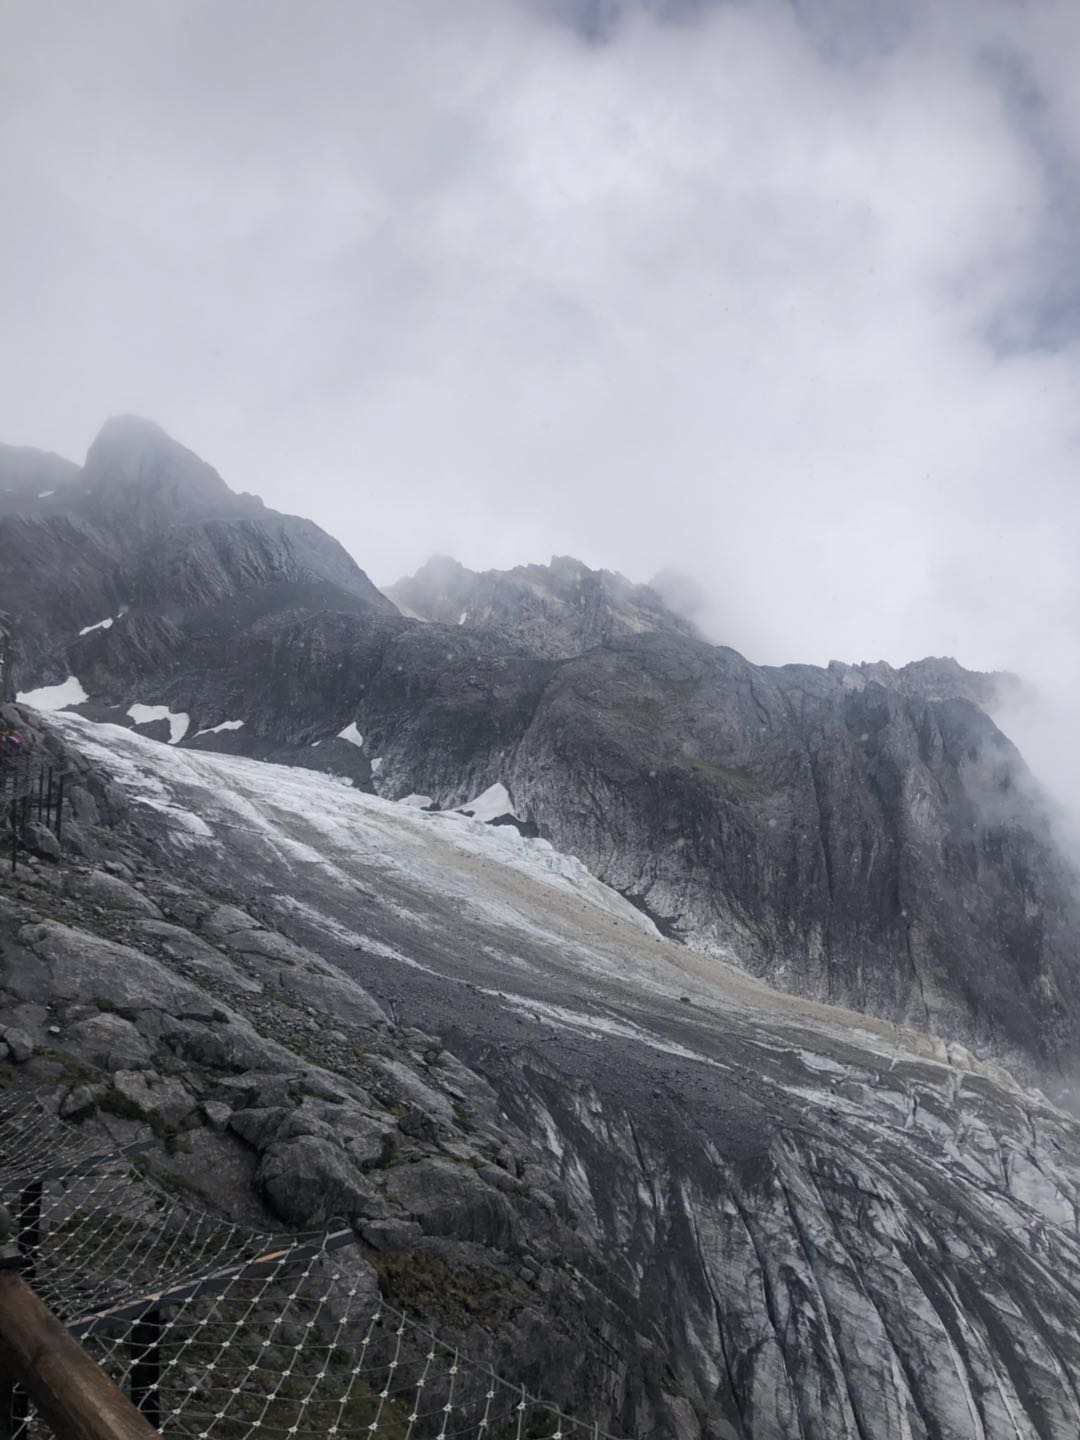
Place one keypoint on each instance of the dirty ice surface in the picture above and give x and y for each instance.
(477, 905)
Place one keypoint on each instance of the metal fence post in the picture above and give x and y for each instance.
(145, 1346)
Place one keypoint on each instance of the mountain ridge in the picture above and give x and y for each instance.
(857, 834)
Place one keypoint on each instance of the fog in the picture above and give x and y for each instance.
(782, 296)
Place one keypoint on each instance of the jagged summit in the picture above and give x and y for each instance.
(556, 610)
(147, 537)
(133, 463)
(937, 677)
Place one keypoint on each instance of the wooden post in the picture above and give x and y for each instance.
(75, 1398)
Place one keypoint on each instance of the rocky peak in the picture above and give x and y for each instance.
(556, 610)
(148, 534)
(31, 478)
(934, 678)
(133, 463)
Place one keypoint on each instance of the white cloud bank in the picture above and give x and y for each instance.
(790, 306)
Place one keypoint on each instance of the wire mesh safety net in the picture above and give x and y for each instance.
(220, 1332)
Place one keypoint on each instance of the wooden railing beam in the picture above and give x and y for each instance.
(75, 1398)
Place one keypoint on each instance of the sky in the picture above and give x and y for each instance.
(784, 295)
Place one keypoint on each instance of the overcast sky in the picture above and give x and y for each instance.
(784, 294)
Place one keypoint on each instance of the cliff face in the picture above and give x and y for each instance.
(7, 684)
(860, 834)
(864, 846)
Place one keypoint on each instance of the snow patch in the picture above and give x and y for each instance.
(217, 729)
(54, 697)
(101, 625)
(463, 617)
(44, 494)
(376, 764)
(418, 800)
(178, 721)
(495, 801)
(352, 735)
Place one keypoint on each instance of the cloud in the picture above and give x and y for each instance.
(782, 295)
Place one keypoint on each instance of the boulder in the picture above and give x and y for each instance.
(40, 840)
(111, 891)
(217, 1115)
(157, 1098)
(110, 1042)
(19, 1044)
(452, 1200)
(309, 1181)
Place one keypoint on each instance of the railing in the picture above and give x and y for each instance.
(123, 1311)
(41, 1362)
(30, 789)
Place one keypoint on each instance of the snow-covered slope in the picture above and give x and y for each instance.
(828, 1227)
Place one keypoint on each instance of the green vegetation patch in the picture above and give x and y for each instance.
(422, 1283)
